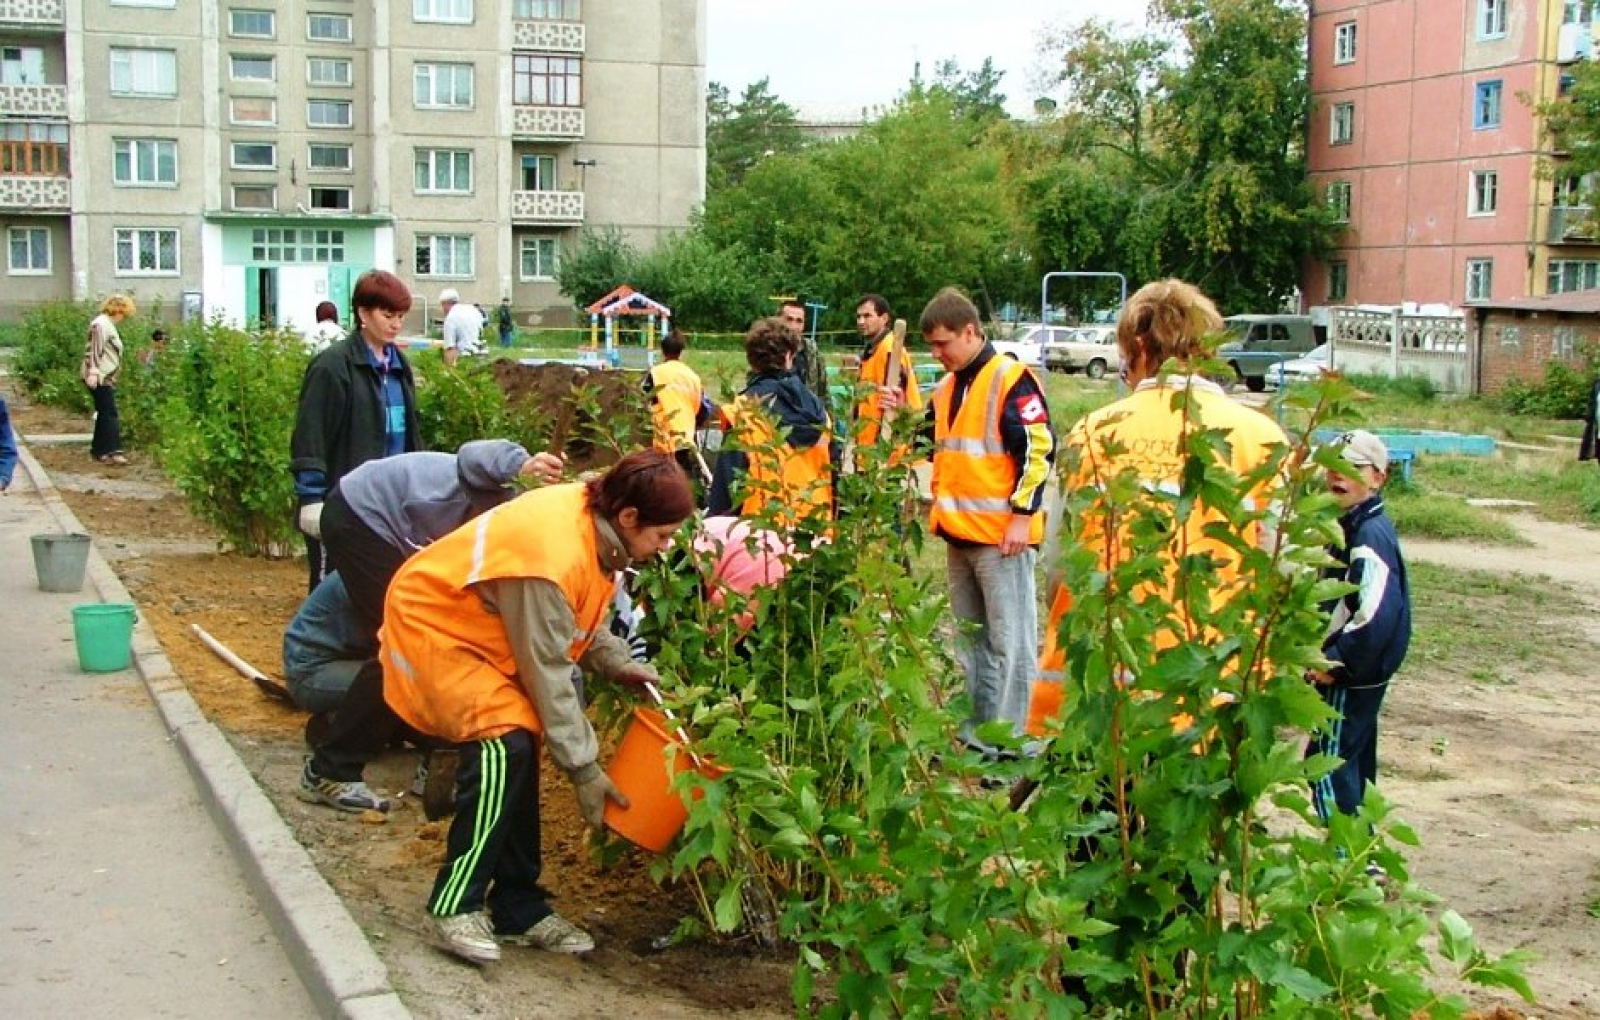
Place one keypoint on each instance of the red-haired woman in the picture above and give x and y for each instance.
(357, 403)
(481, 630)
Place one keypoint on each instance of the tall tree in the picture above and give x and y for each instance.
(741, 134)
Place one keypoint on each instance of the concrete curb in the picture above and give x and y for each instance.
(344, 975)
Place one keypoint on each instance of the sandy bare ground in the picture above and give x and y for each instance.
(1502, 781)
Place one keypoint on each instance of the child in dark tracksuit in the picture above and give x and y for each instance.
(1370, 628)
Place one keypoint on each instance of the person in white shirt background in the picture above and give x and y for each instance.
(463, 326)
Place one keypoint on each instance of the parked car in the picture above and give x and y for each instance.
(1027, 344)
(1090, 349)
(1307, 369)
(1257, 343)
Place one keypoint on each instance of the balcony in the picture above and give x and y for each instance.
(547, 123)
(43, 101)
(1571, 224)
(33, 177)
(25, 14)
(547, 208)
(543, 36)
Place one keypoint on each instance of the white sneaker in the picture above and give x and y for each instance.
(469, 936)
(555, 934)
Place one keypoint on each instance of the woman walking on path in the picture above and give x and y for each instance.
(102, 362)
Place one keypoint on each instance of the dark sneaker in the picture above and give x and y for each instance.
(439, 784)
(354, 797)
(469, 936)
(555, 934)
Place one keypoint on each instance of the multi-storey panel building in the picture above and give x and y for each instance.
(250, 158)
(1427, 142)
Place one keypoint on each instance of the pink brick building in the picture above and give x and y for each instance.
(1424, 137)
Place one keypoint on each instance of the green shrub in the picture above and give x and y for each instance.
(1564, 393)
(456, 405)
(225, 424)
(1412, 387)
(47, 361)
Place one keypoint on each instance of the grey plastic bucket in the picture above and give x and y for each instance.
(59, 561)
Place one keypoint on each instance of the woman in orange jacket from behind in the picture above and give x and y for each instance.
(481, 631)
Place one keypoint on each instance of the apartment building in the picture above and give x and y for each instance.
(1425, 139)
(250, 158)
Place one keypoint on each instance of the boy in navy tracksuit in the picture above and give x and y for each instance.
(1370, 628)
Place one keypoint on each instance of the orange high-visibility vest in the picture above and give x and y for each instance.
(800, 481)
(677, 401)
(973, 477)
(448, 668)
(875, 372)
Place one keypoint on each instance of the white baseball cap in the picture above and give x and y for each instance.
(448, 294)
(1363, 449)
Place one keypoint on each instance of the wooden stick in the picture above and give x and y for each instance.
(268, 686)
(891, 375)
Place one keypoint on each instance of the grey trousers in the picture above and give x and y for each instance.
(992, 597)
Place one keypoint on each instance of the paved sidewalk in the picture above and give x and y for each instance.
(123, 896)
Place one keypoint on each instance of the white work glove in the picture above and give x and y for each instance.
(311, 519)
(594, 787)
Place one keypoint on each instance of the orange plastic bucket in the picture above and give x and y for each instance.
(641, 770)
(1043, 705)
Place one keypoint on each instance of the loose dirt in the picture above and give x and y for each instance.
(1500, 780)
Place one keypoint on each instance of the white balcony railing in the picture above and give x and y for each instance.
(33, 13)
(546, 36)
(539, 208)
(33, 101)
(547, 123)
(35, 194)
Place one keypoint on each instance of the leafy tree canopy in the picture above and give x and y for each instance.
(740, 134)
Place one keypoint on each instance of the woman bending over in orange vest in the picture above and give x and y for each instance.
(481, 631)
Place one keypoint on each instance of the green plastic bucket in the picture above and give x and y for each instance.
(104, 633)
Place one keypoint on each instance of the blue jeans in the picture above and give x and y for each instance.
(992, 597)
(1354, 738)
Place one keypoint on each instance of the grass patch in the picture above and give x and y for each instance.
(1418, 513)
(1564, 488)
(1492, 628)
(10, 334)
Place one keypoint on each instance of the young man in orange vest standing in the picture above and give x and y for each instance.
(992, 452)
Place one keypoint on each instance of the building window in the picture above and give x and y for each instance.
(1484, 197)
(443, 170)
(144, 3)
(538, 258)
(286, 244)
(252, 24)
(1480, 279)
(147, 251)
(1510, 336)
(455, 12)
(329, 113)
(329, 71)
(548, 10)
(444, 255)
(1565, 275)
(1342, 125)
(254, 156)
(1338, 280)
(1344, 43)
(243, 68)
(442, 86)
(253, 111)
(546, 81)
(255, 196)
(539, 172)
(1486, 105)
(28, 251)
(331, 198)
(1491, 19)
(1577, 12)
(1564, 342)
(144, 162)
(21, 65)
(329, 27)
(143, 72)
(1339, 201)
(332, 158)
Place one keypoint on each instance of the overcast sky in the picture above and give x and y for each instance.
(862, 52)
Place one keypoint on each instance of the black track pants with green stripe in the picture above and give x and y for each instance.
(492, 855)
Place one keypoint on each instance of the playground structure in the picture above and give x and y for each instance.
(622, 301)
